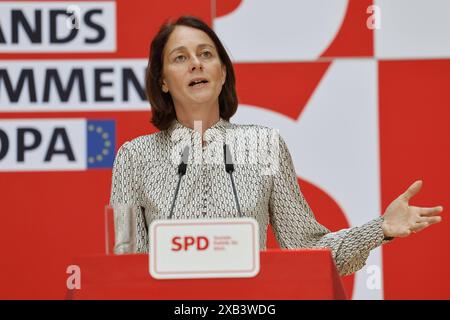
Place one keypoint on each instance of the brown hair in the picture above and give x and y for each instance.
(163, 110)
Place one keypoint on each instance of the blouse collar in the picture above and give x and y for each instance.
(178, 131)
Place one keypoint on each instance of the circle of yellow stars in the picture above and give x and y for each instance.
(106, 143)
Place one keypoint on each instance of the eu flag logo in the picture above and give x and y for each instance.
(101, 136)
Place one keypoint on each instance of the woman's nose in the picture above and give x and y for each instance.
(196, 63)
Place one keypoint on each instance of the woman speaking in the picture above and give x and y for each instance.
(200, 165)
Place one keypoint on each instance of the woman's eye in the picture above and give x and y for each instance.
(206, 54)
(180, 58)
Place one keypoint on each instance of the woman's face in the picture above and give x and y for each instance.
(192, 71)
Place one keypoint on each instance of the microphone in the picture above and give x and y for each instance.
(229, 168)
(182, 167)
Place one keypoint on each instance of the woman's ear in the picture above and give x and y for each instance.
(164, 86)
(224, 73)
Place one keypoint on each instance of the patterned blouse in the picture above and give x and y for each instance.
(145, 177)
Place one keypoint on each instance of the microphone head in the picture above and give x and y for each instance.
(184, 160)
(229, 166)
(182, 168)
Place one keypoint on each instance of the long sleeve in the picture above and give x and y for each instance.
(295, 226)
(129, 223)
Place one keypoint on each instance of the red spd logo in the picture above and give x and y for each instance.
(198, 243)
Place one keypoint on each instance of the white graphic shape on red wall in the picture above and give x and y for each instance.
(265, 30)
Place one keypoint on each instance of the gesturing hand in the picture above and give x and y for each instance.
(401, 219)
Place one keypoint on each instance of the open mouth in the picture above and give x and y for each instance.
(198, 83)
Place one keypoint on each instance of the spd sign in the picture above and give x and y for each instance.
(204, 248)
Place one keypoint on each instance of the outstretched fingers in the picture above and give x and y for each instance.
(412, 190)
(419, 226)
(428, 212)
(430, 220)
